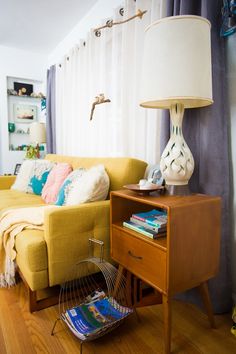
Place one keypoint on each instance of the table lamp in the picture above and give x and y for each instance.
(177, 75)
(37, 135)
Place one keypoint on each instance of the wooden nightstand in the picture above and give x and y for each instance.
(186, 258)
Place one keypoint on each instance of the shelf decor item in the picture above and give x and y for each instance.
(94, 302)
(144, 190)
(24, 113)
(37, 136)
(17, 168)
(11, 127)
(177, 75)
(23, 89)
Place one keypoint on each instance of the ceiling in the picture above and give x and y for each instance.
(39, 25)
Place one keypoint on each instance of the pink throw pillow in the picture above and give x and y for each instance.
(54, 181)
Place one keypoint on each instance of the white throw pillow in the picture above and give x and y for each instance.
(93, 185)
(23, 177)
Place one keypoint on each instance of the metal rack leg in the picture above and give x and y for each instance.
(81, 347)
(52, 332)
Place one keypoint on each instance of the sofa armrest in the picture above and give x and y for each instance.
(67, 231)
(6, 181)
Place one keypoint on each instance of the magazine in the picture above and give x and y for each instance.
(95, 316)
(72, 328)
(156, 229)
(153, 217)
(108, 309)
(143, 230)
(77, 319)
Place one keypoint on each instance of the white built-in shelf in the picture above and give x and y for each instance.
(19, 133)
(25, 96)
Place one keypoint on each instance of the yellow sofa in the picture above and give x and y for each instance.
(45, 259)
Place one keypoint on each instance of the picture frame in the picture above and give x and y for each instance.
(24, 113)
(17, 168)
(23, 88)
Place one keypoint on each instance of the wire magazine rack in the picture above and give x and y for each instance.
(89, 305)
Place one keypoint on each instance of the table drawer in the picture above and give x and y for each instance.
(141, 258)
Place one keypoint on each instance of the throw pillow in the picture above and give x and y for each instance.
(32, 176)
(39, 174)
(23, 177)
(68, 186)
(92, 186)
(54, 181)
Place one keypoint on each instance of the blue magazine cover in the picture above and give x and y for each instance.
(108, 310)
(153, 217)
(78, 320)
(89, 318)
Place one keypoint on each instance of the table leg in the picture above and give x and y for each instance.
(166, 301)
(203, 288)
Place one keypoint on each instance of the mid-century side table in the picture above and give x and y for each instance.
(186, 258)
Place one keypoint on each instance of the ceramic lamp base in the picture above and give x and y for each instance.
(177, 162)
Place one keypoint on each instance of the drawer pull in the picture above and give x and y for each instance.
(133, 255)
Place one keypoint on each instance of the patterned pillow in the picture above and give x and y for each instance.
(28, 170)
(93, 185)
(68, 186)
(39, 174)
(54, 181)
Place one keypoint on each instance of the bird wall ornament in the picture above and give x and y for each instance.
(98, 100)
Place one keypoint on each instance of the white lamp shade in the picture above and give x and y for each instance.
(37, 133)
(177, 63)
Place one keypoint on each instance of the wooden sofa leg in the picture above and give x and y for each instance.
(40, 304)
(32, 298)
(35, 304)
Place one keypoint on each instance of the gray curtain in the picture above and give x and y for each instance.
(206, 131)
(51, 113)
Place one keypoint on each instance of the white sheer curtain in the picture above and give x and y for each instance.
(109, 64)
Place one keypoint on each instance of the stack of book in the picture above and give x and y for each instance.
(92, 318)
(151, 223)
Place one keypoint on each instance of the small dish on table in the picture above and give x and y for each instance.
(142, 190)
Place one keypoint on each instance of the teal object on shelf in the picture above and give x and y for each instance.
(11, 127)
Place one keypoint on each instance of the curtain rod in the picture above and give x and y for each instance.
(111, 23)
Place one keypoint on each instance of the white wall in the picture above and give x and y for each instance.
(19, 64)
(231, 73)
(103, 9)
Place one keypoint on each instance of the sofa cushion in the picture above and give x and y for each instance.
(31, 247)
(55, 179)
(32, 258)
(92, 186)
(11, 198)
(68, 186)
(32, 176)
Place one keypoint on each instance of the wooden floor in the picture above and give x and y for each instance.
(25, 333)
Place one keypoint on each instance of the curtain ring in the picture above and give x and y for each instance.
(98, 33)
(109, 23)
(121, 11)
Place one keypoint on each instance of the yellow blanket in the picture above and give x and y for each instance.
(12, 222)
